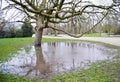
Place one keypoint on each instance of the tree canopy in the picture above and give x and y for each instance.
(56, 11)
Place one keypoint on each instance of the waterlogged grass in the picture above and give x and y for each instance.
(101, 71)
(98, 72)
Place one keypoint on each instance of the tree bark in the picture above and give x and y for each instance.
(39, 30)
(38, 37)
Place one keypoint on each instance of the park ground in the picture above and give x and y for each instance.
(98, 72)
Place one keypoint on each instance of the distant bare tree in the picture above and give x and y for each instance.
(2, 20)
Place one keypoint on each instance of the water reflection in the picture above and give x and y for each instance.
(54, 58)
(41, 66)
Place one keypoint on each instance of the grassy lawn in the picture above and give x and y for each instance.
(9, 46)
(98, 72)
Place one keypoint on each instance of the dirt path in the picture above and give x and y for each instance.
(113, 41)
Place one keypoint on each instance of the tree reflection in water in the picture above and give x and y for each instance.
(41, 67)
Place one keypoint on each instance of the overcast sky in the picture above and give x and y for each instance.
(102, 2)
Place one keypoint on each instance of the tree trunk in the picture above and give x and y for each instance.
(38, 37)
(39, 30)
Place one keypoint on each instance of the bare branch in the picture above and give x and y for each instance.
(31, 4)
(26, 13)
(25, 7)
(24, 22)
(72, 35)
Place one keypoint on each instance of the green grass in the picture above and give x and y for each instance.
(8, 46)
(56, 40)
(98, 72)
(11, 78)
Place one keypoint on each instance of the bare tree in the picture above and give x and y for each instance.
(2, 20)
(45, 12)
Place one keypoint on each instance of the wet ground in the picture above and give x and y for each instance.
(55, 58)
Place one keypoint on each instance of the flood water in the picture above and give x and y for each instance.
(54, 58)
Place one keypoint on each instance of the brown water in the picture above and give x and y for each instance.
(54, 58)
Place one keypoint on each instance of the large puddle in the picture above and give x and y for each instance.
(54, 58)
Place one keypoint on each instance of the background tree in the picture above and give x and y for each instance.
(27, 28)
(2, 24)
(2, 21)
(45, 12)
(19, 33)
